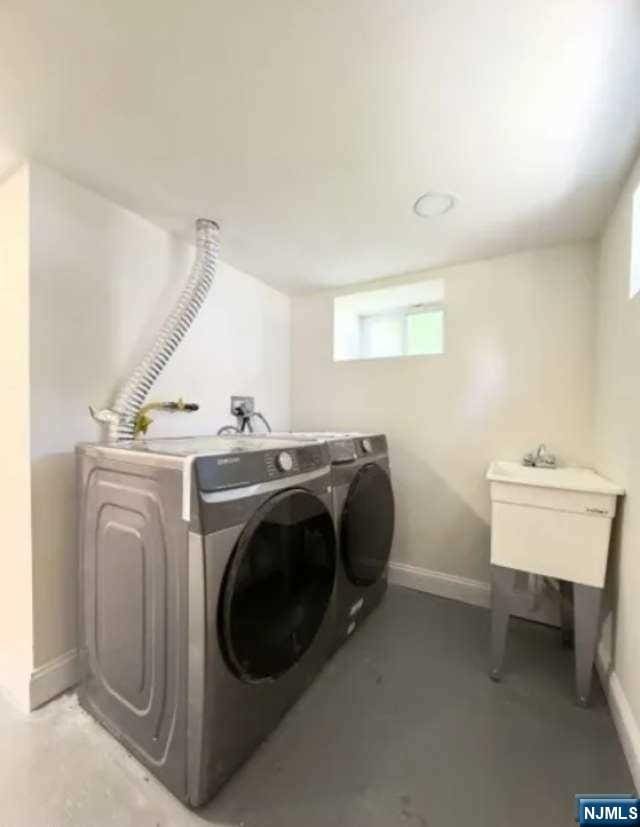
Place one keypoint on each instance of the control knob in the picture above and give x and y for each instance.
(366, 446)
(284, 461)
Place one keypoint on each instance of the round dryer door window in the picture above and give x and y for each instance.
(367, 525)
(278, 585)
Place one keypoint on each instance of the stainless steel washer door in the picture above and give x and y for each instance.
(277, 586)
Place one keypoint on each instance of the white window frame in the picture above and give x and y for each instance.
(350, 342)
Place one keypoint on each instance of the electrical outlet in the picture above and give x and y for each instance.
(242, 405)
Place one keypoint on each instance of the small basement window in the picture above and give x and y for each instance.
(407, 320)
(634, 274)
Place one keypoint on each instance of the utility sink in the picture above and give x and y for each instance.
(555, 522)
(564, 478)
(551, 521)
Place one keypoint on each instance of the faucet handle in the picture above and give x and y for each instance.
(542, 458)
(545, 458)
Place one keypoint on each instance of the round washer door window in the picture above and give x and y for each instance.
(367, 525)
(278, 585)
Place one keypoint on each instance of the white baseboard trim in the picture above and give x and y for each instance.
(54, 677)
(623, 717)
(475, 592)
(444, 585)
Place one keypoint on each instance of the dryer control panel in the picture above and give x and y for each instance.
(342, 451)
(235, 470)
(370, 445)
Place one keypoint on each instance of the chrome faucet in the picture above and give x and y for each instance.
(541, 459)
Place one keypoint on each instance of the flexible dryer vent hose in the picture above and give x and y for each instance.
(121, 418)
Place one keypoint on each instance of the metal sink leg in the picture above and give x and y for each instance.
(502, 583)
(587, 601)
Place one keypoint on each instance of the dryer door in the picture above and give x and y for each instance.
(278, 585)
(367, 525)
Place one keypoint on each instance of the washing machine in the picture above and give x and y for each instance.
(364, 512)
(207, 595)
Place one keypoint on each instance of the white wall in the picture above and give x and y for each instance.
(102, 279)
(617, 428)
(517, 371)
(16, 632)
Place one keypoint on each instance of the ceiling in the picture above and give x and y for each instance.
(307, 128)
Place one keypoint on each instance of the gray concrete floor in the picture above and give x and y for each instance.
(403, 727)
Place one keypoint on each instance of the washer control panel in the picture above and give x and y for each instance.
(280, 463)
(284, 461)
(235, 470)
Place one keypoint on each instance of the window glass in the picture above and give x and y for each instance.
(402, 320)
(382, 336)
(425, 332)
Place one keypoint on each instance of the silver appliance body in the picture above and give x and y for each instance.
(364, 512)
(207, 596)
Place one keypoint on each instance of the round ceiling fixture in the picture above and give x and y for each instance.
(432, 204)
